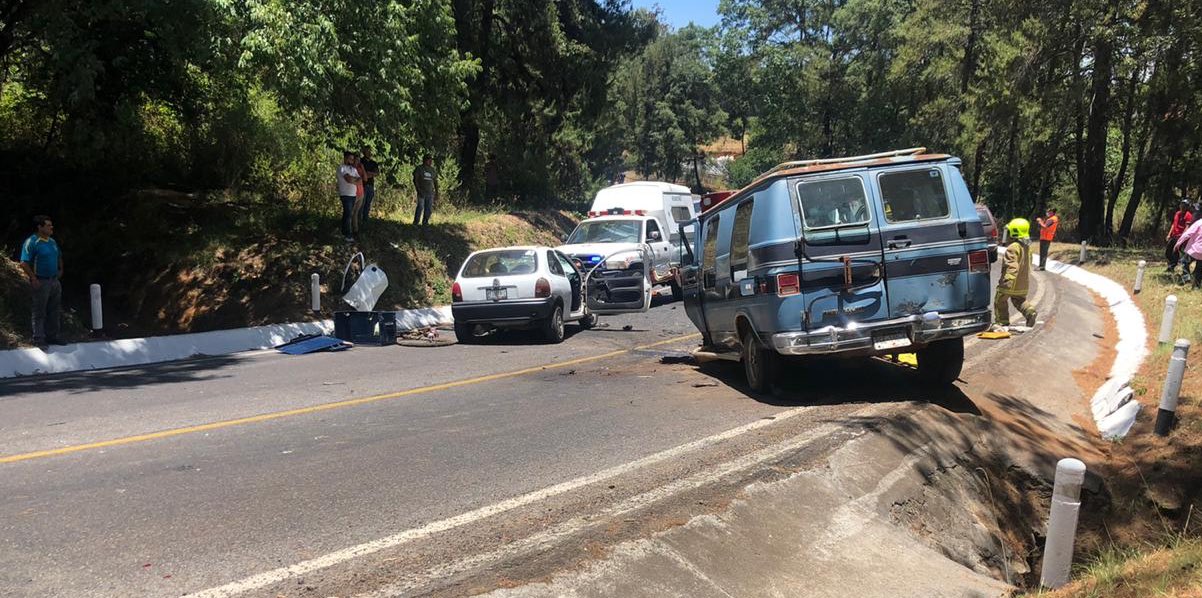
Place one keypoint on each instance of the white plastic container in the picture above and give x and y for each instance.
(366, 291)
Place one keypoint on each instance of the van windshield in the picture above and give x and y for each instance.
(505, 261)
(606, 231)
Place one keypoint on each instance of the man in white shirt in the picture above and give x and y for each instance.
(348, 176)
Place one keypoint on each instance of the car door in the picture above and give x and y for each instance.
(661, 248)
(925, 256)
(575, 283)
(610, 291)
(841, 261)
(560, 285)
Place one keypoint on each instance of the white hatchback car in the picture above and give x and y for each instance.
(540, 287)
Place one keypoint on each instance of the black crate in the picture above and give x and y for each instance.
(366, 327)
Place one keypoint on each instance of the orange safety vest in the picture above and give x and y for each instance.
(1049, 228)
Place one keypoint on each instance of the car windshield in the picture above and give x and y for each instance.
(501, 262)
(606, 231)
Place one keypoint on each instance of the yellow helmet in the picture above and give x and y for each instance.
(1019, 228)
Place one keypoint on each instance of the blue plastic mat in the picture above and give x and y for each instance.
(313, 345)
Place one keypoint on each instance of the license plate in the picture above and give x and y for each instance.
(496, 294)
(891, 340)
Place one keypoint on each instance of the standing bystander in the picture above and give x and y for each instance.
(1182, 219)
(43, 265)
(425, 182)
(1016, 275)
(1047, 233)
(1191, 241)
(370, 170)
(348, 176)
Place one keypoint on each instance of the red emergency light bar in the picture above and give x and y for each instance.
(618, 212)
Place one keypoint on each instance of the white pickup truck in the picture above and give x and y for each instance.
(630, 220)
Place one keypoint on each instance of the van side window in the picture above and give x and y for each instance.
(709, 253)
(833, 202)
(913, 195)
(553, 264)
(739, 237)
(652, 227)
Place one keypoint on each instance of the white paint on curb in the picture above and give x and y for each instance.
(141, 351)
(1113, 405)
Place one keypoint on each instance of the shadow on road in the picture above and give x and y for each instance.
(823, 381)
(190, 370)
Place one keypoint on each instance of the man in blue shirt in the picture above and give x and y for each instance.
(43, 265)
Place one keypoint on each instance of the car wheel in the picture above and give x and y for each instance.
(677, 292)
(589, 321)
(464, 333)
(553, 326)
(759, 363)
(940, 362)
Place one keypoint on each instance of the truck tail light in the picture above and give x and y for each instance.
(542, 288)
(456, 293)
(788, 284)
(978, 261)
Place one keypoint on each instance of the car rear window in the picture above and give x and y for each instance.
(914, 195)
(501, 262)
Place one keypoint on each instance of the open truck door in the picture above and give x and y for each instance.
(625, 290)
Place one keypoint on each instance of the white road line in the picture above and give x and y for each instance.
(274, 576)
(548, 537)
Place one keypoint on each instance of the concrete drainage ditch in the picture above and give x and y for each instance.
(925, 503)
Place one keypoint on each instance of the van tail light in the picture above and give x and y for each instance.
(788, 284)
(978, 261)
(456, 293)
(542, 288)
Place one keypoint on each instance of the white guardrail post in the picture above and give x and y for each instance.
(1166, 416)
(1062, 523)
(97, 312)
(1166, 321)
(315, 292)
(1139, 276)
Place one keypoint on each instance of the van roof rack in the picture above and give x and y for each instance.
(913, 151)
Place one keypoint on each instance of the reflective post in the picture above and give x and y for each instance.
(1062, 523)
(1084, 249)
(1167, 415)
(315, 292)
(1139, 276)
(97, 312)
(1166, 321)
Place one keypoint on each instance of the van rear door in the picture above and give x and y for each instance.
(842, 257)
(926, 264)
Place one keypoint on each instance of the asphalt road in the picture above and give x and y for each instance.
(404, 470)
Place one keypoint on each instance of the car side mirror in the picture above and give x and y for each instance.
(653, 235)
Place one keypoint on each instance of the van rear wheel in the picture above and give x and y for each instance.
(760, 363)
(940, 363)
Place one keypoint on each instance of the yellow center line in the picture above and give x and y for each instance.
(324, 406)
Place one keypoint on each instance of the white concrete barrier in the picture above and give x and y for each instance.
(1114, 406)
(156, 349)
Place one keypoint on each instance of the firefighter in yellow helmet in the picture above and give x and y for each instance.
(1016, 275)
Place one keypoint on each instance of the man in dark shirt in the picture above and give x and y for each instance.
(425, 182)
(370, 169)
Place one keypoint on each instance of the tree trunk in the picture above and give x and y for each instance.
(1120, 178)
(479, 43)
(1138, 184)
(978, 166)
(969, 67)
(1091, 168)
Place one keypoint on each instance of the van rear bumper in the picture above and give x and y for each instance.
(862, 338)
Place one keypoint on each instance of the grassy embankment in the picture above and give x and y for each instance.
(1147, 543)
(173, 262)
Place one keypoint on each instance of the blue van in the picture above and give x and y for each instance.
(861, 256)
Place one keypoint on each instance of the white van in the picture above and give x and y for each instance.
(671, 205)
